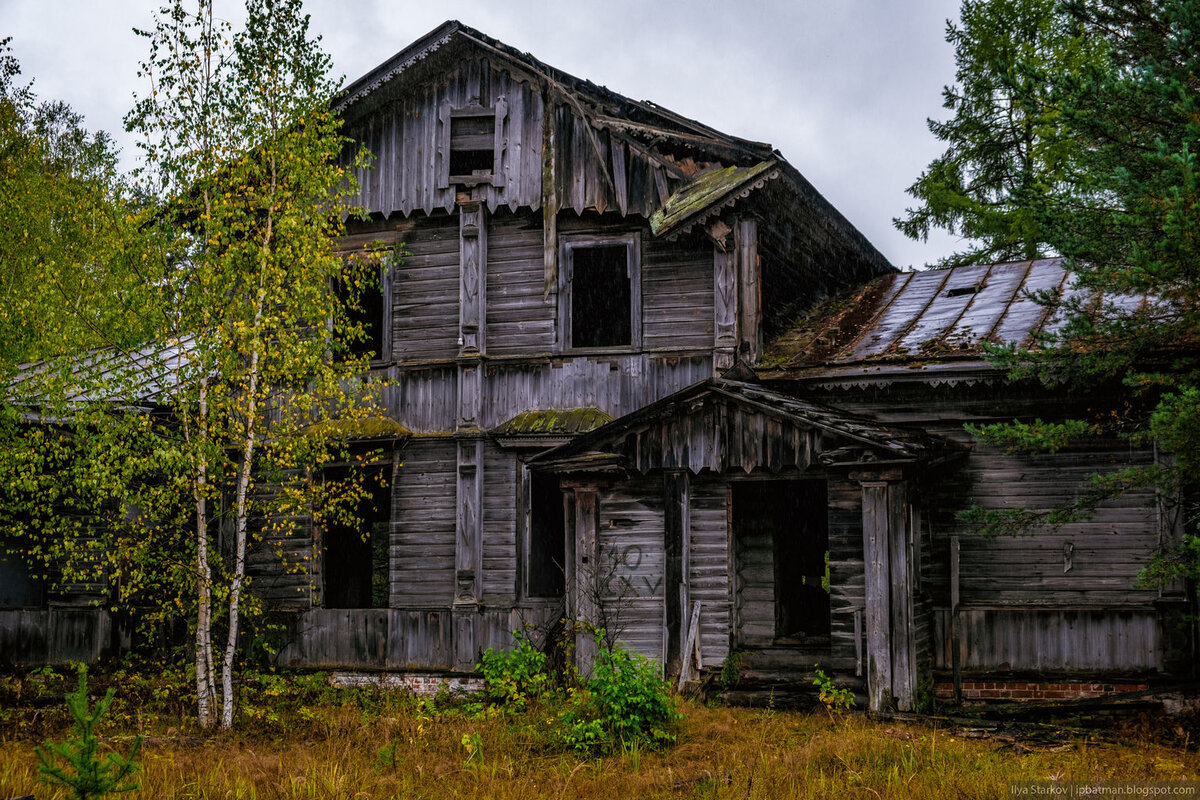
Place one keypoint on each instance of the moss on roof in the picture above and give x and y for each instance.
(702, 192)
(368, 428)
(553, 422)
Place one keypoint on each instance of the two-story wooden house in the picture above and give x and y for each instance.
(570, 256)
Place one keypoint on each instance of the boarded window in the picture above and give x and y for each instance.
(602, 298)
(547, 538)
(355, 544)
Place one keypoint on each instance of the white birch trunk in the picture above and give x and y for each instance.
(205, 688)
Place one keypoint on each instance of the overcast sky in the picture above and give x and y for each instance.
(841, 87)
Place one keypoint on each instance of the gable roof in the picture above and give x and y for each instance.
(922, 323)
(611, 152)
(720, 425)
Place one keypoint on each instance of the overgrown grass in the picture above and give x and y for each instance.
(302, 739)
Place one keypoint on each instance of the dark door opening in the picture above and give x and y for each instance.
(356, 543)
(782, 535)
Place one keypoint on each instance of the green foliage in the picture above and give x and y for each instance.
(515, 678)
(1008, 153)
(1033, 437)
(837, 700)
(76, 764)
(625, 702)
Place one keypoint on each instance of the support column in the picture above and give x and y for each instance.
(675, 545)
(585, 586)
(725, 309)
(472, 258)
(468, 553)
(749, 291)
(888, 562)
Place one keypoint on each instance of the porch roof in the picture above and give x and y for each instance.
(720, 425)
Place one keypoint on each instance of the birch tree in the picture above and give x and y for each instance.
(243, 151)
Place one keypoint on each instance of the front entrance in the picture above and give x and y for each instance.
(781, 542)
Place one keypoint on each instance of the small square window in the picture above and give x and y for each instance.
(600, 297)
(471, 145)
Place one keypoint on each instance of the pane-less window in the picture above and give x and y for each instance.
(362, 294)
(601, 296)
(355, 545)
(547, 537)
(20, 587)
(472, 145)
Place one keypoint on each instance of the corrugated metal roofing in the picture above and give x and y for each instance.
(921, 317)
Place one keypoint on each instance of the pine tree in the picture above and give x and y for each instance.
(1008, 155)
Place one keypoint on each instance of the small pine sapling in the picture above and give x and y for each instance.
(76, 763)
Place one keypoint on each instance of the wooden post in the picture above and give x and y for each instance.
(472, 249)
(586, 585)
(903, 640)
(876, 562)
(725, 308)
(468, 552)
(675, 512)
(748, 294)
(955, 633)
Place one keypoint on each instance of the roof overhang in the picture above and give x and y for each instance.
(722, 426)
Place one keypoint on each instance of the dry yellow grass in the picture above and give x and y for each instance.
(334, 751)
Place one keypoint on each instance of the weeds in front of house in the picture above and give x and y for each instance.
(301, 738)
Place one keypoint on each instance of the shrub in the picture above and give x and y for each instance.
(514, 678)
(82, 770)
(632, 702)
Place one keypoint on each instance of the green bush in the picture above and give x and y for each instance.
(624, 702)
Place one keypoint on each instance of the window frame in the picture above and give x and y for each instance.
(447, 114)
(387, 465)
(567, 245)
(525, 538)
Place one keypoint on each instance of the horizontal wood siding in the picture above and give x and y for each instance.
(406, 138)
(615, 384)
(1054, 640)
(499, 526)
(425, 400)
(847, 573)
(425, 289)
(709, 568)
(632, 564)
(677, 294)
(423, 536)
(520, 320)
(33, 637)
(420, 639)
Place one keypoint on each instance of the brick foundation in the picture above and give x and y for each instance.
(982, 691)
(420, 684)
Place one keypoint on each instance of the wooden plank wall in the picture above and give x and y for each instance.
(499, 525)
(708, 566)
(632, 563)
(754, 582)
(33, 637)
(677, 294)
(520, 319)
(423, 534)
(847, 573)
(425, 289)
(594, 169)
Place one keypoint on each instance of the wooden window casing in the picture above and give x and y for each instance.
(472, 145)
(599, 298)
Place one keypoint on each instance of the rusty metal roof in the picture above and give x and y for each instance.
(932, 320)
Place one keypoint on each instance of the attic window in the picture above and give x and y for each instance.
(472, 146)
(962, 290)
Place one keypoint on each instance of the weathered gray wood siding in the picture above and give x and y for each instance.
(847, 573)
(520, 319)
(37, 636)
(423, 534)
(632, 564)
(278, 557)
(754, 600)
(408, 139)
(404, 128)
(677, 294)
(499, 525)
(425, 289)
(708, 566)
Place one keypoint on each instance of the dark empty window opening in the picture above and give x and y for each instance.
(601, 297)
(21, 585)
(362, 297)
(356, 542)
(472, 145)
(547, 537)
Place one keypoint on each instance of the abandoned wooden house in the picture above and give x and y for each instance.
(592, 336)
